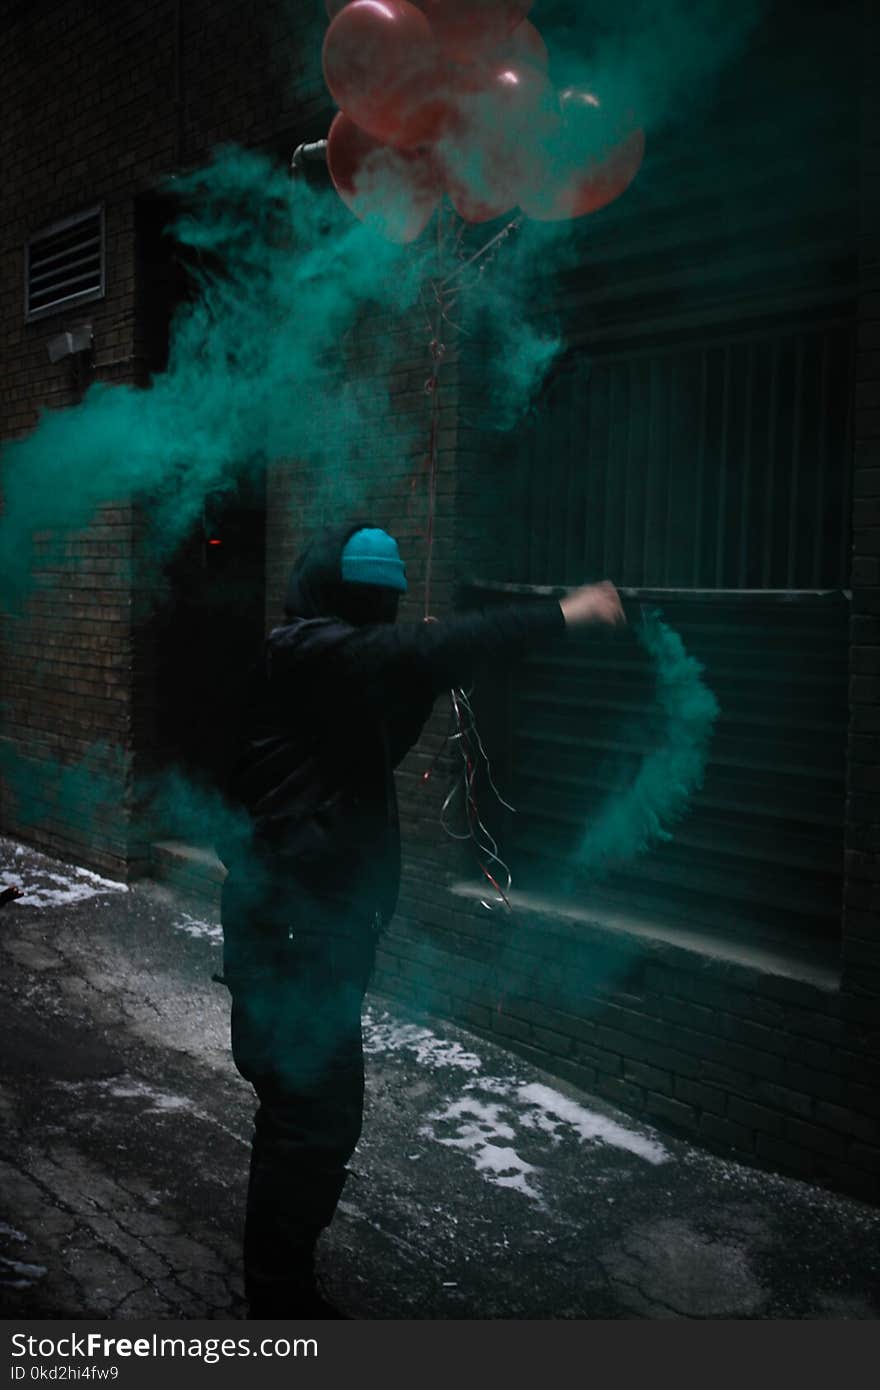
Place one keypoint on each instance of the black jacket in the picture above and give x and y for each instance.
(333, 708)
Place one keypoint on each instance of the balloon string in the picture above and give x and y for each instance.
(466, 733)
(505, 232)
(437, 348)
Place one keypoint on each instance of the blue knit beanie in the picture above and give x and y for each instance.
(371, 556)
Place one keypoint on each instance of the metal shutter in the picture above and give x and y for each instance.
(64, 264)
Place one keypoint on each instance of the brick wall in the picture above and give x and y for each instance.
(77, 129)
(98, 104)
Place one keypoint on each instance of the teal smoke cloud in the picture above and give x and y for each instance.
(641, 815)
(255, 366)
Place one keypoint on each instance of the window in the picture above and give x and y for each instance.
(65, 264)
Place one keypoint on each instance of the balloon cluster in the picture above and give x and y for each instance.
(454, 96)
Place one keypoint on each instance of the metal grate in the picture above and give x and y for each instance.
(64, 264)
(716, 465)
(759, 854)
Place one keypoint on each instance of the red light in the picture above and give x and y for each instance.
(214, 542)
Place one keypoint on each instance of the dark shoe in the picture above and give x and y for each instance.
(303, 1303)
(315, 1305)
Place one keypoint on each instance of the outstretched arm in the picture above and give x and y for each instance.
(382, 660)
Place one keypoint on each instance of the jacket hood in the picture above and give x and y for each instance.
(316, 589)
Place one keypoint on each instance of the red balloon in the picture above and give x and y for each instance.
(524, 45)
(492, 150)
(383, 68)
(396, 191)
(594, 159)
(469, 29)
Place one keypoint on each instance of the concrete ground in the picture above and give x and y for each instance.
(482, 1188)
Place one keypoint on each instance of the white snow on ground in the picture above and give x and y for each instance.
(46, 882)
(16, 1275)
(479, 1125)
(128, 1088)
(486, 1122)
(552, 1111)
(486, 1130)
(10, 1233)
(157, 1102)
(194, 926)
(160, 1101)
(384, 1034)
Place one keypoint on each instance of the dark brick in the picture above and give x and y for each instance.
(724, 1131)
(757, 1117)
(862, 953)
(811, 1024)
(557, 1044)
(673, 1112)
(865, 1156)
(650, 1077)
(512, 1028)
(477, 1015)
(849, 1178)
(692, 1015)
(828, 1085)
(818, 1140)
(571, 1071)
(863, 1099)
(643, 1050)
(786, 1155)
(798, 1103)
(637, 1023)
(848, 1122)
(700, 1096)
(610, 1063)
(628, 1097)
(583, 1029)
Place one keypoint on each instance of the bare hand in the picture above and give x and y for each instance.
(593, 603)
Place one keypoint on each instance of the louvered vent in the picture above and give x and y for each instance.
(65, 264)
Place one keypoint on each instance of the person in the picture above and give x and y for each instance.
(338, 697)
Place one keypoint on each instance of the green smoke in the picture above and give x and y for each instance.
(640, 816)
(647, 59)
(80, 797)
(256, 366)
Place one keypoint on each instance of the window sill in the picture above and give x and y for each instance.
(805, 966)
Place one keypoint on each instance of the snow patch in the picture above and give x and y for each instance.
(488, 1126)
(194, 926)
(161, 1102)
(14, 1274)
(550, 1111)
(10, 1233)
(479, 1124)
(55, 886)
(384, 1035)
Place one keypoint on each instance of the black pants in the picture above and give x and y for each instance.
(297, 968)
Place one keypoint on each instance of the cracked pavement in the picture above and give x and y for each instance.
(481, 1188)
